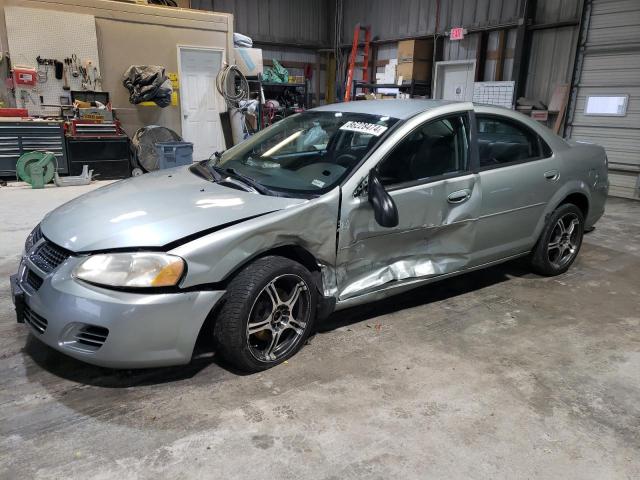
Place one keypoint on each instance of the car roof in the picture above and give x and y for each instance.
(401, 109)
(407, 108)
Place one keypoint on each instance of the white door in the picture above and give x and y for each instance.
(198, 100)
(454, 80)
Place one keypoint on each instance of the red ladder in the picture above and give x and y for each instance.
(353, 57)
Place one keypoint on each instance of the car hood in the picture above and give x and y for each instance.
(153, 210)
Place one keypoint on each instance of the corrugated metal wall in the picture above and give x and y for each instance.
(553, 50)
(550, 61)
(294, 22)
(392, 20)
(490, 64)
(465, 49)
(389, 19)
(286, 30)
(611, 66)
(310, 23)
(478, 13)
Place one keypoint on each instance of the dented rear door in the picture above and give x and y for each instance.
(519, 174)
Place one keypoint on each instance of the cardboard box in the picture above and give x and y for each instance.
(389, 73)
(412, 50)
(249, 61)
(418, 70)
(251, 120)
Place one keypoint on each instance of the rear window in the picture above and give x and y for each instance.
(503, 141)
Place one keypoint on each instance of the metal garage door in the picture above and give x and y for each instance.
(608, 65)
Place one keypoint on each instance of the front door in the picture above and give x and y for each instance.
(437, 197)
(518, 175)
(198, 100)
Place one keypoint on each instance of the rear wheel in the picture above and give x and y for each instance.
(269, 311)
(559, 242)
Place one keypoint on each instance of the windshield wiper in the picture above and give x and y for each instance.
(205, 170)
(244, 179)
(218, 155)
(216, 174)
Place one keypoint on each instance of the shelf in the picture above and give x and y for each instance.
(277, 84)
(390, 85)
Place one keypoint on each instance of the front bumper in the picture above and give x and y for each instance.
(106, 327)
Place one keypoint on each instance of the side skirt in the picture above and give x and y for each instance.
(405, 285)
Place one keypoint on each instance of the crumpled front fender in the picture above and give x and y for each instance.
(311, 225)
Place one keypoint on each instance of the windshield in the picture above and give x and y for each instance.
(307, 153)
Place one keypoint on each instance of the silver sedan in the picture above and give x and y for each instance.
(334, 207)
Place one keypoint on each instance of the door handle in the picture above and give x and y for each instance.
(459, 196)
(552, 175)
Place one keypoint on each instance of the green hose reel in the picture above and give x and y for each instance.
(36, 168)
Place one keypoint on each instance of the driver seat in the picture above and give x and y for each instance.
(433, 160)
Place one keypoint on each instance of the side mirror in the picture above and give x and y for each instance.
(384, 208)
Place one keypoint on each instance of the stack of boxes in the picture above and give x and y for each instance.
(388, 76)
(249, 61)
(415, 59)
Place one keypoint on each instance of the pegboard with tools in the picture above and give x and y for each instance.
(61, 47)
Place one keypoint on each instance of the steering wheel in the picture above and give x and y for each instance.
(349, 159)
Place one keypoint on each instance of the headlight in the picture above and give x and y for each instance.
(133, 270)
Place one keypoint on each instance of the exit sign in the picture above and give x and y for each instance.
(456, 33)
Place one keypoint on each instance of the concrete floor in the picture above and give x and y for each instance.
(496, 374)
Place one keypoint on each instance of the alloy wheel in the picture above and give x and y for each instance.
(564, 241)
(278, 318)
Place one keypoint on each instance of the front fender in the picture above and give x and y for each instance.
(311, 225)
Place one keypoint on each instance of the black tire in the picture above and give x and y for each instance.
(547, 260)
(252, 287)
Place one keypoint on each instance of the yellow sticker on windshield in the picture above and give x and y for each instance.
(364, 127)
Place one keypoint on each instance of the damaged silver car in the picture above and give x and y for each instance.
(330, 208)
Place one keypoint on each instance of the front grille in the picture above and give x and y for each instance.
(36, 235)
(35, 320)
(49, 256)
(33, 238)
(33, 280)
(92, 336)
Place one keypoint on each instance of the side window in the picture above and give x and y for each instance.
(439, 147)
(546, 149)
(504, 141)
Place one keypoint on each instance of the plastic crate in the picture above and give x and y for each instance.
(174, 154)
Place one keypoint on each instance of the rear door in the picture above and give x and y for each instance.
(428, 175)
(518, 174)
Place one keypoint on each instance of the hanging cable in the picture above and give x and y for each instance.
(337, 49)
(232, 85)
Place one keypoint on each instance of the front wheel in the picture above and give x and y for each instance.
(559, 242)
(268, 313)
